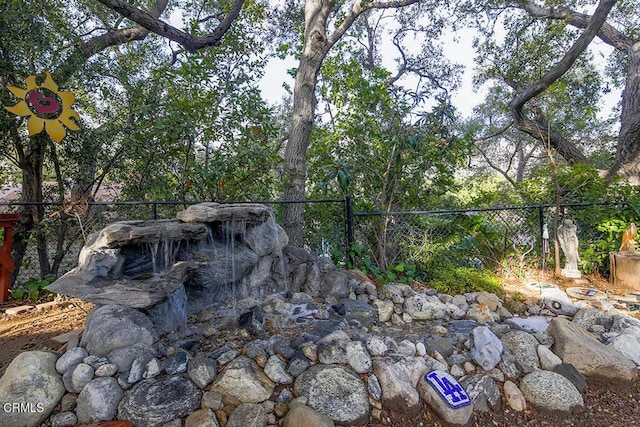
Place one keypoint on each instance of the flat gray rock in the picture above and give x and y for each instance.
(212, 212)
(159, 400)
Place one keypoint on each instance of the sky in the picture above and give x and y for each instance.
(460, 51)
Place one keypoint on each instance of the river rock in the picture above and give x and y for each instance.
(358, 312)
(303, 415)
(548, 359)
(98, 400)
(201, 418)
(358, 357)
(551, 392)
(77, 377)
(112, 327)
(490, 300)
(525, 348)
(425, 307)
(486, 348)
(333, 348)
(335, 391)
(159, 400)
(248, 415)
(70, 358)
(202, 371)
(398, 376)
(276, 370)
(243, 381)
(384, 308)
(514, 397)
(30, 380)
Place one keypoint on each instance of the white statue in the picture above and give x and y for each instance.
(568, 238)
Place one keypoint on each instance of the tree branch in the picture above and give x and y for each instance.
(538, 127)
(496, 133)
(598, 19)
(607, 33)
(358, 8)
(152, 23)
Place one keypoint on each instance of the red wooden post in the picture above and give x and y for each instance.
(7, 223)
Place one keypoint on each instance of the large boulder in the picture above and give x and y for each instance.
(30, 389)
(594, 360)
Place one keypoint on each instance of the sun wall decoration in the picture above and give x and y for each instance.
(48, 108)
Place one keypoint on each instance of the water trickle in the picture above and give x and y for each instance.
(281, 280)
(153, 248)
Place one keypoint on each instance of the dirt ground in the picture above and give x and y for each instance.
(33, 330)
(609, 406)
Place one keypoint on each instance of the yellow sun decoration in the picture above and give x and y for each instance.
(47, 107)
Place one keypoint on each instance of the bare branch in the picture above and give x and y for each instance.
(496, 133)
(358, 8)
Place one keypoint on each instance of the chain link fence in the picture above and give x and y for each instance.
(506, 240)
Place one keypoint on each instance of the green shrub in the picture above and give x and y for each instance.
(452, 279)
(33, 289)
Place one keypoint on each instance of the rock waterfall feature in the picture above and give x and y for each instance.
(211, 254)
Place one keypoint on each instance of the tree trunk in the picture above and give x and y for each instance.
(627, 161)
(32, 215)
(316, 46)
(304, 106)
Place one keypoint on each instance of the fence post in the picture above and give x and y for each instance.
(350, 223)
(154, 211)
(543, 252)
